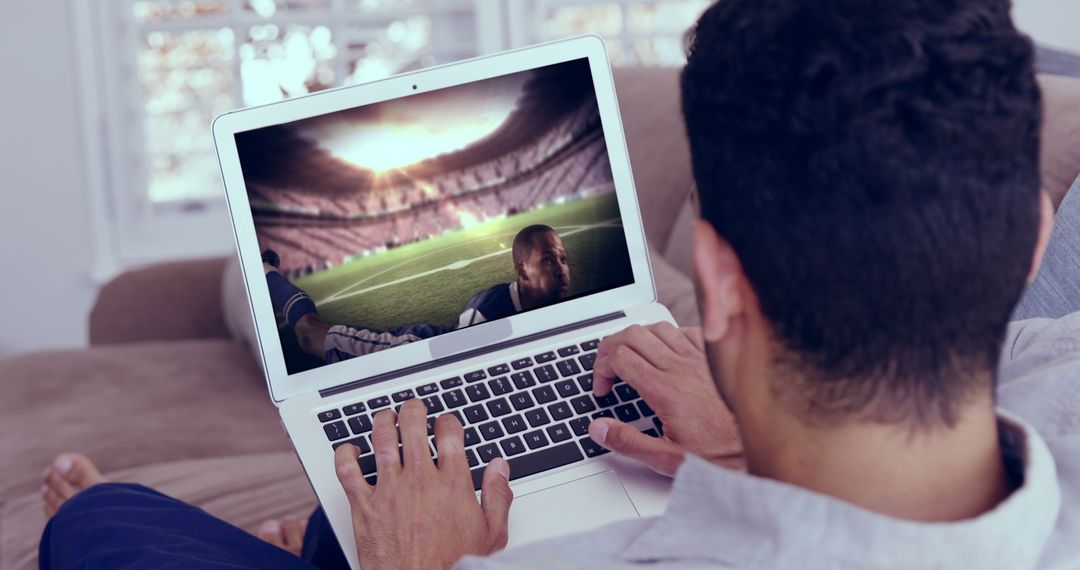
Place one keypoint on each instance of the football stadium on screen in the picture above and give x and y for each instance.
(399, 212)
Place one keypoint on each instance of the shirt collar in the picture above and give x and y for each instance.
(515, 297)
(740, 520)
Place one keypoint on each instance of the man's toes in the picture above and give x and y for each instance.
(52, 501)
(293, 533)
(59, 485)
(78, 470)
(270, 531)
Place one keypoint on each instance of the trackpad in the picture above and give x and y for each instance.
(572, 507)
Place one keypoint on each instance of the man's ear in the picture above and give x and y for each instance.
(519, 269)
(718, 272)
(1046, 227)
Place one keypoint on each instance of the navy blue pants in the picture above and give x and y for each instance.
(123, 525)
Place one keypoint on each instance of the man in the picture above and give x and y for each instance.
(870, 213)
(543, 277)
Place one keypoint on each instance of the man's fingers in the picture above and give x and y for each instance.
(349, 474)
(412, 423)
(450, 443)
(384, 439)
(495, 500)
(625, 362)
(661, 455)
(674, 338)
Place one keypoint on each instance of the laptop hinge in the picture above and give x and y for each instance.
(327, 392)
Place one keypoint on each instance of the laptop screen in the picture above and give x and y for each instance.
(399, 221)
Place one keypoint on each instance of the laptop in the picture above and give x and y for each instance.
(397, 208)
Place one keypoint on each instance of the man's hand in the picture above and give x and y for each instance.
(667, 366)
(420, 515)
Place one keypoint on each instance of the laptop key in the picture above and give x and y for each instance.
(521, 400)
(626, 392)
(580, 426)
(512, 446)
(403, 395)
(592, 449)
(359, 442)
(567, 388)
(521, 363)
(471, 458)
(499, 407)
(651, 432)
(498, 369)
(434, 405)
(544, 395)
(427, 389)
(586, 382)
(645, 409)
(568, 350)
(360, 424)
(353, 409)
(514, 423)
(544, 459)
(603, 414)
(451, 383)
(587, 360)
(500, 386)
(545, 357)
(590, 344)
(491, 430)
(336, 431)
(380, 402)
(606, 401)
(535, 439)
(488, 452)
(546, 373)
(477, 392)
(583, 404)
(329, 415)
(454, 399)
(475, 376)
(523, 379)
(560, 411)
(537, 417)
(431, 424)
(627, 413)
(659, 424)
(367, 464)
(475, 414)
(558, 432)
(471, 437)
(568, 368)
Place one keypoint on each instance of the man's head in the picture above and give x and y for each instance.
(869, 190)
(543, 275)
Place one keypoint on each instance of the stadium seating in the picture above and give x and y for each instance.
(312, 231)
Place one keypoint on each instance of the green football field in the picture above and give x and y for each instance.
(431, 281)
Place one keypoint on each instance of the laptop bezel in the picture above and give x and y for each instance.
(280, 383)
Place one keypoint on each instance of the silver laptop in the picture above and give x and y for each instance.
(395, 207)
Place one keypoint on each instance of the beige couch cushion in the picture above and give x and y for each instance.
(1060, 134)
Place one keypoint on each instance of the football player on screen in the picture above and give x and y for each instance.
(543, 277)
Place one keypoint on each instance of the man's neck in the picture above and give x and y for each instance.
(942, 474)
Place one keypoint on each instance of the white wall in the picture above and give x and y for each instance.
(45, 284)
(1055, 23)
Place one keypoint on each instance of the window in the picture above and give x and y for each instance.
(156, 73)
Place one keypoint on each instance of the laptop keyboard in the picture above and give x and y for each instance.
(533, 410)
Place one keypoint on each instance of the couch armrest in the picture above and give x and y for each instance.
(168, 301)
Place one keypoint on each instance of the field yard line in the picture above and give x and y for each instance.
(456, 265)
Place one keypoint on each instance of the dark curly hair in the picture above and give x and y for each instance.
(875, 167)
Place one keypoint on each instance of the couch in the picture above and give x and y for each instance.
(168, 393)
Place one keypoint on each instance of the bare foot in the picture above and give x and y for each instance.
(68, 474)
(286, 533)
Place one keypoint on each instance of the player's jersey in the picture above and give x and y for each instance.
(344, 342)
(491, 304)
